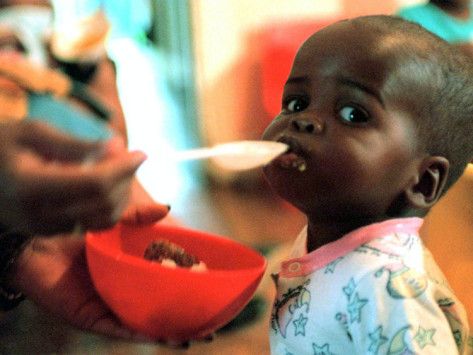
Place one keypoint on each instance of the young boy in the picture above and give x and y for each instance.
(378, 114)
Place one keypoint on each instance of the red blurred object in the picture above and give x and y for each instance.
(279, 44)
(172, 303)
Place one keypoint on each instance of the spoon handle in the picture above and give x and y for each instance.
(194, 154)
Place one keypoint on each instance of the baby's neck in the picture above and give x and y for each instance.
(320, 232)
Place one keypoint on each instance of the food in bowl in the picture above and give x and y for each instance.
(171, 255)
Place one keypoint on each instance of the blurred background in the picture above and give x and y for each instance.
(198, 73)
(191, 73)
(222, 65)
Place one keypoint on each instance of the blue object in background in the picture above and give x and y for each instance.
(437, 21)
(65, 117)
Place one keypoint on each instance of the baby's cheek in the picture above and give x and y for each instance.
(267, 134)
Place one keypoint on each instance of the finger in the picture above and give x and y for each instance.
(118, 166)
(174, 344)
(75, 179)
(75, 195)
(111, 327)
(76, 224)
(144, 214)
(93, 213)
(99, 221)
(104, 322)
(48, 226)
(93, 205)
(53, 144)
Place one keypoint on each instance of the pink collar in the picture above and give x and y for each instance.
(303, 263)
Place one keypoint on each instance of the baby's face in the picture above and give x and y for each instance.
(353, 145)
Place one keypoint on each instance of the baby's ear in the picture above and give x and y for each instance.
(429, 184)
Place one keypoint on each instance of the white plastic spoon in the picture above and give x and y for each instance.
(238, 155)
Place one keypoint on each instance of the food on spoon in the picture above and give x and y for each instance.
(172, 255)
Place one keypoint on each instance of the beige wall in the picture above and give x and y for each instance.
(226, 51)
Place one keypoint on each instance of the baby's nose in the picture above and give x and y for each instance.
(306, 126)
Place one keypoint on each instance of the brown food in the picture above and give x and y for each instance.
(161, 250)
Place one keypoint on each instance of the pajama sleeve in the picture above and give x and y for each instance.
(398, 310)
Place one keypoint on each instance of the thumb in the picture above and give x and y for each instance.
(144, 214)
(119, 166)
(53, 144)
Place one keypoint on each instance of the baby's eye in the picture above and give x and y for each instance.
(295, 104)
(352, 114)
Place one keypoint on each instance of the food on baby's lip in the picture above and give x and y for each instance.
(172, 255)
(292, 161)
(294, 156)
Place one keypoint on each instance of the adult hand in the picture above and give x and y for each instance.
(52, 272)
(52, 182)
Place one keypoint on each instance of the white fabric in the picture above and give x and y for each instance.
(383, 296)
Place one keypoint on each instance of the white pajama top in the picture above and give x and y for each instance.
(377, 290)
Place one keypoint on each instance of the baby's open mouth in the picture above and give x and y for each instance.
(292, 159)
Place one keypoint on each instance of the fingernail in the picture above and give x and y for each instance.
(139, 156)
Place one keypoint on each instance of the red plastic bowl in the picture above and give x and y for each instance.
(166, 303)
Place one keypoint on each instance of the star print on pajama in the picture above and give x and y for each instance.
(375, 291)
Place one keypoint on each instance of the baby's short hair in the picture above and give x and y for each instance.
(442, 85)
